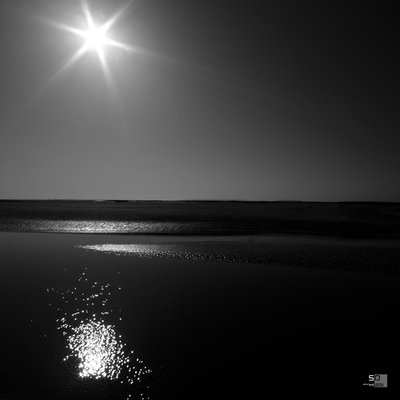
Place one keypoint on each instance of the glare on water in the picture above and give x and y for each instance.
(99, 350)
(93, 344)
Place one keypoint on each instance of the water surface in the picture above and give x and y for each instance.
(118, 317)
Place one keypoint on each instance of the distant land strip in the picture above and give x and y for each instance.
(341, 219)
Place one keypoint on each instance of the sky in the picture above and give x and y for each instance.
(200, 100)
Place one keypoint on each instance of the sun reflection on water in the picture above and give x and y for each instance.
(94, 348)
(97, 347)
(93, 226)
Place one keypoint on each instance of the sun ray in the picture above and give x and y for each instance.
(63, 27)
(116, 16)
(120, 45)
(88, 14)
(95, 39)
(72, 60)
(44, 87)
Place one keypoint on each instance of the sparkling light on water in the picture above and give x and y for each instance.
(94, 348)
(100, 352)
(175, 251)
(90, 226)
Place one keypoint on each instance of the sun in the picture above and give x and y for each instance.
(95, 38)
(94, 34)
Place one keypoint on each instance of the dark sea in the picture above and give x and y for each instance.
(113, 316)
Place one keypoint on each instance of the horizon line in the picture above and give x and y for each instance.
(201, 201)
